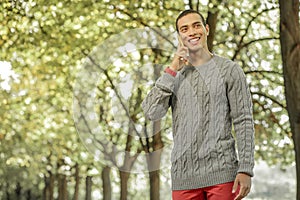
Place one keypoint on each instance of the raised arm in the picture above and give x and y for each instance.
(157, 102)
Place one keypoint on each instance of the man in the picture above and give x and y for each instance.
(207, 94)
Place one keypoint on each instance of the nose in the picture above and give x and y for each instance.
(192, 31)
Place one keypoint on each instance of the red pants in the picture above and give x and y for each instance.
(216, 192)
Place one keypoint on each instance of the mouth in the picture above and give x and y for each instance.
(194, 41)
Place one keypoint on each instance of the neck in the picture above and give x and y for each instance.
(200, 56)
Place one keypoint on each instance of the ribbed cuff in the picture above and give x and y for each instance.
(246, 168)
(166, 82)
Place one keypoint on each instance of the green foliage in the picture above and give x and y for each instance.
(46, 43)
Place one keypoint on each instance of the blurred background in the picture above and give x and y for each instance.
(72, 81)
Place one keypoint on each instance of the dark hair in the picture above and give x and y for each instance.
(186, 12)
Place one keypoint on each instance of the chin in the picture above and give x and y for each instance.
(196, 48)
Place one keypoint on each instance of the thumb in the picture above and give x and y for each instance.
(235, 186)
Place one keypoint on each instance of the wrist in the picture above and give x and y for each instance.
(244, 173)
(174, 64)
(173, 68)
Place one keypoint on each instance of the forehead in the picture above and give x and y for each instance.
(189, 19)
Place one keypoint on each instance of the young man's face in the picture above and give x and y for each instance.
(193, 32)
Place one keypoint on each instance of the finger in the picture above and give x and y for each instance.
(183, 57)
(242, 193)
(184, 53)
(178, 61)
(187, 57)
(184, 48)
(183, 61)
(246, 191)
(235, 186)
(238, 197)
(180, 41)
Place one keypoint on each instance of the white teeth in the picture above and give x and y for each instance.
(194, 40)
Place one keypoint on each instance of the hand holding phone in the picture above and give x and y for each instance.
(181, 56)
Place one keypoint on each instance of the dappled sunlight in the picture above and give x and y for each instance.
(73, 76)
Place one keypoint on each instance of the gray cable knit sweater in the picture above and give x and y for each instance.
(206, 100)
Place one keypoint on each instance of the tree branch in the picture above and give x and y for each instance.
(273, 117)
(240, 43)
(257, 40)
(110, 80)
(269, 97)
(191, 4)
(139, 20)
(263, 71)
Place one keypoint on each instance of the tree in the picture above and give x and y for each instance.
(46, 43)
(290, 52)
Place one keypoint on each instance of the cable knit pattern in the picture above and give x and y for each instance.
(206, 100)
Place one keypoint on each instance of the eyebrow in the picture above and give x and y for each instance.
(184, 26)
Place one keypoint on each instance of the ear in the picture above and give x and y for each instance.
(207, 29)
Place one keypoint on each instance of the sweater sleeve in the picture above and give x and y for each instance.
(156, 104)
(241, 113)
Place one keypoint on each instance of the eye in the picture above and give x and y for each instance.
(184, 29)
(197, 25)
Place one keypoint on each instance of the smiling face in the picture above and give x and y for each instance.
(193, 32)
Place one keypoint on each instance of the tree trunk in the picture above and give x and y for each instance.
(18, 190)
(290, 52)
(124, 176)
(106, 183)
(153, 161)
(154, 185)
(212, 18)
(88, 188)
(154, 157)
(7, 191)
(28, 195)
(77, 180)
(62, 187)
(212, 22)
(49, 187)
(129, 160)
